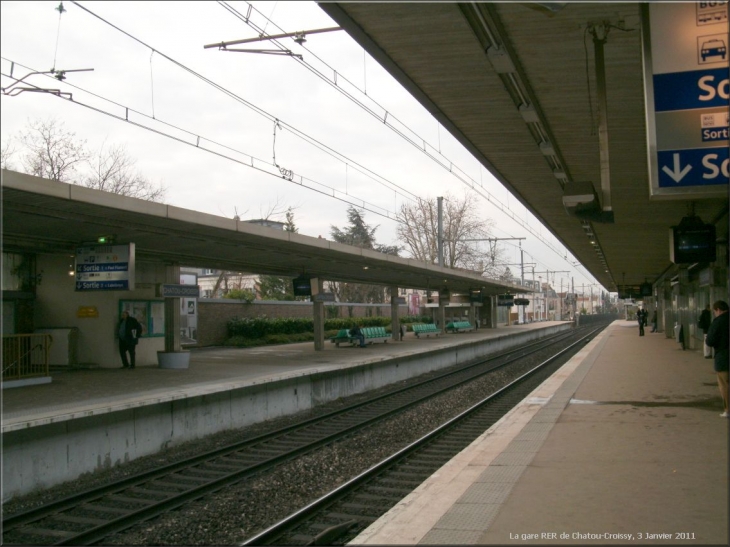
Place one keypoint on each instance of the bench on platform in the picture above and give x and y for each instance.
(459, 326)
(427, 329)
(375, 334)
(371, 334)
(343, 335)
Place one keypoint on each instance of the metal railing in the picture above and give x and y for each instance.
(25, 355)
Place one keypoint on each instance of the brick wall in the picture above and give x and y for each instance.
(214, 314)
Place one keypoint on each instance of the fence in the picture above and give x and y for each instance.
(25, 355)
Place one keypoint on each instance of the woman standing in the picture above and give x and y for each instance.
(718, 338)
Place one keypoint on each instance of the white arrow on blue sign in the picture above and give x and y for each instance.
(699, 167)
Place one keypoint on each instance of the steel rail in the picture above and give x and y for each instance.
(295, 519)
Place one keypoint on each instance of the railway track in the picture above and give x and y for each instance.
(340, 515)
(91, 516)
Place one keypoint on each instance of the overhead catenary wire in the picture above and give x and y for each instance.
(252, 162)
(282, 124)
(446, 163)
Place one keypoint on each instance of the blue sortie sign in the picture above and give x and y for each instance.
(695, 90)
(688, 91)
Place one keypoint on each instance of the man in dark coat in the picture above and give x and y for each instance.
(704, 323)
(128, 331)
(718, 338)
(355, 332)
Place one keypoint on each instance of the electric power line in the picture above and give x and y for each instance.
(471, 183)
(252, 162)
(307, 138)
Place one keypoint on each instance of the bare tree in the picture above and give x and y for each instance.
(6, 154)
(113, 170)
(52, 152)
(418, 230)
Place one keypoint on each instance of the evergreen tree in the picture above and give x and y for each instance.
(271, 287)
(359, 234)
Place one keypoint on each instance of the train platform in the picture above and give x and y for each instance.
(77, 392)
(624, 444)
(90, 419)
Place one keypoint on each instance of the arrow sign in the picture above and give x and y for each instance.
(677, 175)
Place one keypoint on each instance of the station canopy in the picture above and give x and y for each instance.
(41, 215)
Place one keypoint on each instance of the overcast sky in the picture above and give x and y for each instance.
(358, 158)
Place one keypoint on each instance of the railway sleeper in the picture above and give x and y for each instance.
(47, 532)
(105, 509)
(144, 491)
(223, 467)
(128, 499)
(405, 476)
(420, 466)
(63, 517)
(180, 486)
(364, 510)
(209, 472)
(388, 491)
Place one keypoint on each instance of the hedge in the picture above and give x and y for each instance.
(260, 327)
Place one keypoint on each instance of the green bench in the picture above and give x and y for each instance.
(427, 329)
(343, 335)
(375, 334)
(372, 334)
(459, 326)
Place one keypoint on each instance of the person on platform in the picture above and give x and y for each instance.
(718, 338)
(128, 331)
(355, 332)
(653, 321)
(641, 314)
(704, 323)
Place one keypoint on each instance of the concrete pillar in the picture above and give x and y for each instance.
(487, 316)
(318, 314)
(470, 315)
(394, 319)
(172, 310)
(442, 310)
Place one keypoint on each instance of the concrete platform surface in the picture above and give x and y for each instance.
(78, 392)
(624, 444)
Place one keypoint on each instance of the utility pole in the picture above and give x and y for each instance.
(440, 202)
(522, 264)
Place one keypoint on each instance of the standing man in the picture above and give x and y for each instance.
(704, 323)
(641, 316)
(718, 338)
(128, 332)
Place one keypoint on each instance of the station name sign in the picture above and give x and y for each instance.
(506, 300)
(687, 86)
(324, 297)
(170, 290)
(105, 268)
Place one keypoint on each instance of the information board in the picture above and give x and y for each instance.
(105, 268)
(687, 86)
